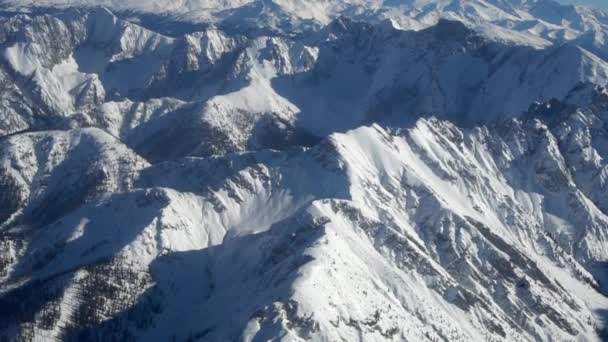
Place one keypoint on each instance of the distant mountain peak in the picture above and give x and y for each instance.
(340, 170)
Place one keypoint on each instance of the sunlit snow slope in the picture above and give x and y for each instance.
(347, 171)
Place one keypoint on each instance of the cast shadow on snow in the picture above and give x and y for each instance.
(603, 328)
(65, 189)
(337, 94)
(179, 275)
(70, 184)
(54, 265)
(245, 278)
(85, 238)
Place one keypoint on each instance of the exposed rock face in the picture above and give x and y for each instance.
(149, 90)
(357, 183)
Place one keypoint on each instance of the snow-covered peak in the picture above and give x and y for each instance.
(243, 90)
(545, 19)
(453, 231)
(355, 170)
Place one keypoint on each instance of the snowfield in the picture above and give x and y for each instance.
(350, 170)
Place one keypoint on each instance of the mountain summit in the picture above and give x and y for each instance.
(303, 170)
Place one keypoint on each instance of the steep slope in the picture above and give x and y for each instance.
(165, 178)
(431, 232)
(45, 175)
(533, 21)
(154, 91)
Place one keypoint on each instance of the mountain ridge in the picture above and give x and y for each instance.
(358, 182)
(547, 18)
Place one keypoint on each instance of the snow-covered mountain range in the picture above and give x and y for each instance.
(342, 170)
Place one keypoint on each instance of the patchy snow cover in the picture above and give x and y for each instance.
(396, 176)
(375, 234)
(546, 20)
(268, 91)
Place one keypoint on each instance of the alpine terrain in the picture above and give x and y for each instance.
(303, 170)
